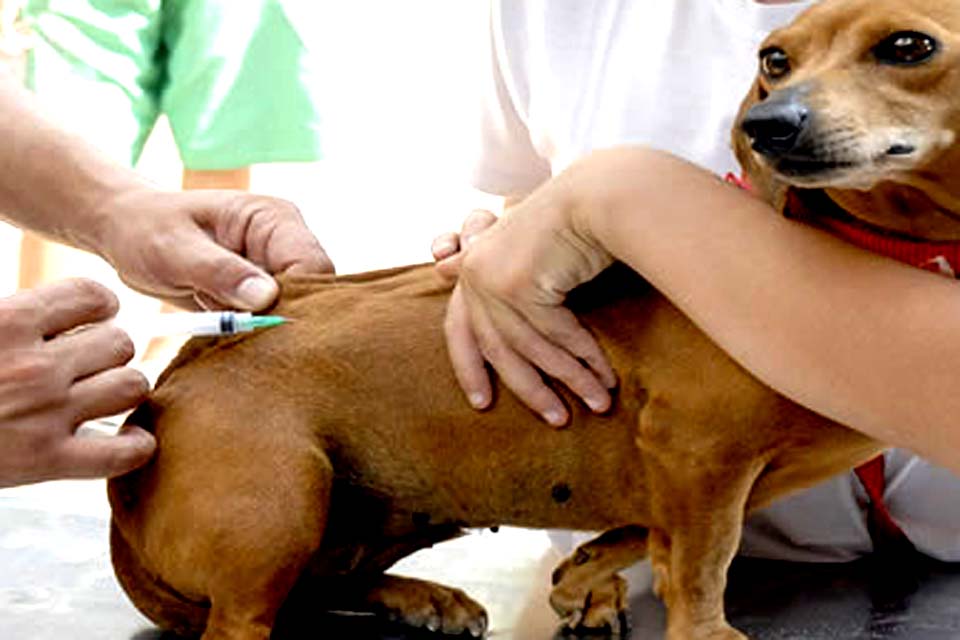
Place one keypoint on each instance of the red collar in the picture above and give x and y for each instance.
(940, 257)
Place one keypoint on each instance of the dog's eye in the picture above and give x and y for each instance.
(774, 62)
(905, 47)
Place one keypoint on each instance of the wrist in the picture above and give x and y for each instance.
(603, 190)
(622, 192)
(108, 211)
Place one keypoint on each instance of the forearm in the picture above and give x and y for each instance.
(862, 339)
(52, 181)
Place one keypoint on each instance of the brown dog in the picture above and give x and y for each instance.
(311, 457)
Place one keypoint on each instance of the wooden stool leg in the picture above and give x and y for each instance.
(34, 261)
(238, 179)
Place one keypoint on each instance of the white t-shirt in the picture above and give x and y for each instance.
(569, 76)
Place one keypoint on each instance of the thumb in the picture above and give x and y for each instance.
(231, 281)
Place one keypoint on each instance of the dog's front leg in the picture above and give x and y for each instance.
(587, 591)
(701, 526)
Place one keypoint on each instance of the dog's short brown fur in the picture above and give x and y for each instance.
(313, 456)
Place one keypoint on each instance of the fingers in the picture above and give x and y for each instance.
(316, 260)
(445, 246)
(103, 456)
(557, 363)
(58, 307)
(449, 268)
(40, 410)
(57, 450)
(548, 340)
(274, 239)
(476, 222)
(269, 232)
(222, 278)
(219, 247)
(522, 378)
(285, 242)
(93, 349)
(519, 353)
(448, 248)
(465, 355)
(107, 393)
(561, 327)
(473, 339)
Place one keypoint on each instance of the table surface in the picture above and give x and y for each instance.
(57, 583)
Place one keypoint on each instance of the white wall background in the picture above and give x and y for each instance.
(398, 84)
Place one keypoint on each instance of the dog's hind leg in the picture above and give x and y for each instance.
(692, 550)
(258, 574)
(158, 602)
(254, 546)
(587, 591)
(425, 604)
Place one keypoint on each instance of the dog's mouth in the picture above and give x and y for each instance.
(844, 170)
(806, 167)
(844, 157)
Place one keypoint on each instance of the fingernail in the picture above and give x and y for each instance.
(613, 382)
(477, 400)
(554, 417)
(256, 292)
(598, 405)
(445, 248)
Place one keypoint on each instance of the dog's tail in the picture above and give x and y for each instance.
(160, 603)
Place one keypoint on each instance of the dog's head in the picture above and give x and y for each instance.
(860, 100)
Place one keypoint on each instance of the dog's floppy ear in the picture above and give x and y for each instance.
(756, 173)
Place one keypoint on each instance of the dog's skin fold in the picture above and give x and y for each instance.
(301, 462)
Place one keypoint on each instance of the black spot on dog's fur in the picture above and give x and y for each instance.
(560, 493)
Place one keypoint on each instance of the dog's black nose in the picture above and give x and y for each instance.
(775, 126)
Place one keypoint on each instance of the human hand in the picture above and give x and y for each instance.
(217, 249)
(508, 309)
(63, 366)
(448, 248)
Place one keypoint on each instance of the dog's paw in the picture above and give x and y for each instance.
(596, 610)
(720, 631)
(728, 634)
(431, 606)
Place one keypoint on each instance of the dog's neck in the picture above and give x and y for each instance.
(925, 210)
(866, 219)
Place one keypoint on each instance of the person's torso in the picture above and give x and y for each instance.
(665, 74)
